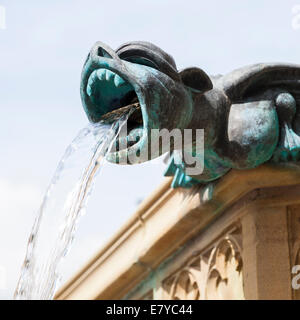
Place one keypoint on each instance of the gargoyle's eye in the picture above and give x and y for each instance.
(142, 61)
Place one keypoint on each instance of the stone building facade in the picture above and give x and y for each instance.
(237, 238)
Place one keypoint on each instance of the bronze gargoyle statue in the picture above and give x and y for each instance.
(249, 116)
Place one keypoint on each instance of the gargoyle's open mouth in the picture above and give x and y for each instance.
(115, 96)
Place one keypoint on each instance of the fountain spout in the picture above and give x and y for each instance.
(249, 116)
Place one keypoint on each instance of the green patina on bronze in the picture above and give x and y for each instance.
(249, 116)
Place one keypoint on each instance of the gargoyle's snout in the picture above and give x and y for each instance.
(139, 75)
(104, 84)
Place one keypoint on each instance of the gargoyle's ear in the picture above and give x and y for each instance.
(196, 79)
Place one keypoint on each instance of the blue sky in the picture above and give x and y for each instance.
(42, 51)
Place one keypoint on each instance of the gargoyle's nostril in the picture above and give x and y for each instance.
(103, 53)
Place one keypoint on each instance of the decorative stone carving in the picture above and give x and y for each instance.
(215, 274)
(224, 279)
(184, 285)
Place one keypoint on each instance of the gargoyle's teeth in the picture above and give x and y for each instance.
(104, 75)
(89, 90)
(101, 74)
(119, 81)
(109, 75)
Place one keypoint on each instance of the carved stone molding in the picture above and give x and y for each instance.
(225, 280)
(186, 283)
(214, 274)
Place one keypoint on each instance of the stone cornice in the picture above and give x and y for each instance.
(162, 224)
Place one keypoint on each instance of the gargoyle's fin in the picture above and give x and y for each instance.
(243, 82)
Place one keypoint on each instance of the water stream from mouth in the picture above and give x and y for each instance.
(64, 202)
